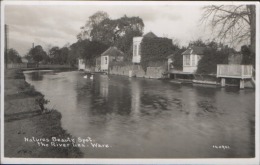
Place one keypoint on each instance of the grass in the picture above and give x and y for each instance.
(23, 118)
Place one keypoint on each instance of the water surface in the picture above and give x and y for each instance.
(144, 118)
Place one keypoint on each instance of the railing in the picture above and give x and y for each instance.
(234, 71)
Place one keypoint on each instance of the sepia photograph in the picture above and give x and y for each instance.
(137, 82)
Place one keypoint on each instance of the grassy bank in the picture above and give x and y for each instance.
(23, 119)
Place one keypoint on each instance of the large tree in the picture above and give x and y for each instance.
(93, 21)
(235, 23)
(156, 50)
(13, 56)
(87, 50)
(112, 32)
(37, 53)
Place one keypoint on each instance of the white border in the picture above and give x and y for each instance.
(129, 161)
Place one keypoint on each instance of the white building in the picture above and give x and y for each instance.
(81, 64)
(112, 54)
(137, 47)
(191, 58)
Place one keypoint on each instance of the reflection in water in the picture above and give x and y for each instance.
(37, 76)
(142, 118)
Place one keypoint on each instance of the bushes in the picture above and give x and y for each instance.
(212, 57)
(155, 50)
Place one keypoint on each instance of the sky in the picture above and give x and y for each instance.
(58, 25)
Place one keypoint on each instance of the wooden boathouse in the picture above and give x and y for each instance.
(235, 71)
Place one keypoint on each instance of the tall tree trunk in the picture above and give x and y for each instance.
(252, 15)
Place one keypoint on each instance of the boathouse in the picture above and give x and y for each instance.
(235, 71)
(191, 58)
(112, 54)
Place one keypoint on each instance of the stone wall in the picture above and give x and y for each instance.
(137, 71)
(120, 70)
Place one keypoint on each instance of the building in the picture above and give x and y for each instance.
(191, 58)
(81, 64)
(137, 47)
(111, 55)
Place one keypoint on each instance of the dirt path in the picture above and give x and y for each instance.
(23, 119)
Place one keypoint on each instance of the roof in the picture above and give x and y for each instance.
(150, 35)
(194, 50)
(112, 51)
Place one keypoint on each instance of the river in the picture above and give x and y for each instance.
(145, 118)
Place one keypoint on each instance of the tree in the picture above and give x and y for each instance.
(13, 56)
(87, 50)
(37, 53)
(54, 54)
(198, 42)
(233, 22)
(156, 50)
(248, 58)
(214, 54)
(64, 53)
(93, 21)
(112, 32)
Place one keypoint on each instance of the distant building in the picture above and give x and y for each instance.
(137, 46)
(112, 54)
(191, 58)
(81, 64)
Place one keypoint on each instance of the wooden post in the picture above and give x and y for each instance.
(223, 82)
(242, 84)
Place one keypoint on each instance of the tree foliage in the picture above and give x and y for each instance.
(198, 42)
(13, 56)
(112, 32)
(87, 50)
(59, 55)
(155, 50)
(214, 54)
(37, 54)
(93, 22)
(248, 56)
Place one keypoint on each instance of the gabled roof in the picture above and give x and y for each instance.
(194, 50)
(112, 51)
(150, 35)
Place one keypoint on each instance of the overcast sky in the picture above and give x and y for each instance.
(58, 25)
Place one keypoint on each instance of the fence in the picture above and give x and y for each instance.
(234, 71)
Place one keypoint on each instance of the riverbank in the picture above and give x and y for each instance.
(24, 120)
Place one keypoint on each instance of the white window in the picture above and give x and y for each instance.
(186, 60)
(135, 50)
